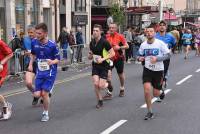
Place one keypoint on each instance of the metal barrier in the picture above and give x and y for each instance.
(74, 57)
(17, 64)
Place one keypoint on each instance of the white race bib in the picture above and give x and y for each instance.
(96, 57)
(43, 66)
(149, 65)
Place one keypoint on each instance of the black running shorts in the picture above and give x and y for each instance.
(101, 72)
(119, 65)
(154, 77)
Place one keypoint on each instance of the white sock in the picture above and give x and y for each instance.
(45, 112)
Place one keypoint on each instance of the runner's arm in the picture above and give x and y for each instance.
(164, 57)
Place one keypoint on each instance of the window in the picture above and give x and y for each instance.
(80, 5)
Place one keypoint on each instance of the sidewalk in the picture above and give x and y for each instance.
(16, 82)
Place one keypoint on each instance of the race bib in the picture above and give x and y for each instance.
(96, 57)
(43, 66)
(149, 65)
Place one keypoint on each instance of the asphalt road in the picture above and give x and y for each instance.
(73, 103)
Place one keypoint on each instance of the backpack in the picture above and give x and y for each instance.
(15, 44)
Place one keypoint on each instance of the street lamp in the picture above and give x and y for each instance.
(171, 10)
(125, 2)
(97, 2)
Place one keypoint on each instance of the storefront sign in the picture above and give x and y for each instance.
(79, 20)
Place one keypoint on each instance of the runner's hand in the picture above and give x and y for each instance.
(30, 68)
(153, 59)
(50, 62)
(116, 47)
(141, 59)
(1, 67)
(100, 60)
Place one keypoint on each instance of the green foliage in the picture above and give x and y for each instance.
(117, 13)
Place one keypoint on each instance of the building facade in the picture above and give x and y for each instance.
(15, 15)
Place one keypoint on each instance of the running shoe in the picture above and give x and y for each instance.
(162, 95)
(99, 104)
(149, 116)
(121, 93)
(108, 95)
(35, 101)
(7, 115)
(45, 118)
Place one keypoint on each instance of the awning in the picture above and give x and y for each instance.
(169, 16)
(193, 24)
(99, 18)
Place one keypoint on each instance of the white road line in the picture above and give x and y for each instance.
(198, 70)
(183, 80)
(154, 99)
(113, 127)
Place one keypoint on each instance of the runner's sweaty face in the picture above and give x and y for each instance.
(162, 27)
(40, 34)
(150, 32)
(96, 32)
(112, 28)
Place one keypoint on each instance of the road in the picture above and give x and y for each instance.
(72, 109)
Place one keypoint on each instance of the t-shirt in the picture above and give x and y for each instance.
(158, 48)
(197, 39)
(27, 43)
(187, 38)
(97, 50)
(42, 53)
(117, 39)
(168, 38)
(4, 51)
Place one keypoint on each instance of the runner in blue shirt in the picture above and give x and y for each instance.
(46, 54)
(168, 39)
(187, 41)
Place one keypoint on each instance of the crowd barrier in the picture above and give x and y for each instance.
(71, 57)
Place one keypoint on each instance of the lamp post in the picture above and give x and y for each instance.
(125, 2)
(170, 11)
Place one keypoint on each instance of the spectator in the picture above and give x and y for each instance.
(64, 42)
(80, 44)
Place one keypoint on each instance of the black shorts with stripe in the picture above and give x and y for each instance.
(154, 77)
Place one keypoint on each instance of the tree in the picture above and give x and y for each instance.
(117, 13)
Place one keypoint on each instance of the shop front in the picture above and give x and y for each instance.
(2, 20)
(20, 16)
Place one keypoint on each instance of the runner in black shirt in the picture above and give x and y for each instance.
(100, 52)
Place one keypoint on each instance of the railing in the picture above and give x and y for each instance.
(74, 58)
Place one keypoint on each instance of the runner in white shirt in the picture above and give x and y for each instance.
(153, 52)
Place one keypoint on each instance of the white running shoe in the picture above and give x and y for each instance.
(8, 114)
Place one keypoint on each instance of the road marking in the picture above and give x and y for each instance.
(24, 90)
(183, 80)
(155, 98)
(198, 70)
(113, 127)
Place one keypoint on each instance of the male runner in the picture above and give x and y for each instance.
(153, 52)
(5, 55)
(46, 54)
(100, 52)
(119, 44)
(168, 39)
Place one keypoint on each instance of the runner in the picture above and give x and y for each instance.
(30, 75)
(153, 52)
(187, 42)
(171, 41)
(119, 44)
(100, 52)
(5, 55)
(46, 54)
(197, 42)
